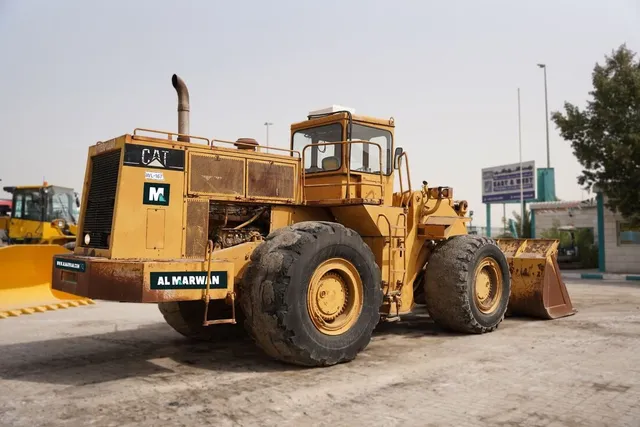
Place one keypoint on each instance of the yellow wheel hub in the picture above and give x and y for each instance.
(334, 298)
(488, 285)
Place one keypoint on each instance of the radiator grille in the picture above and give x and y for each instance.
(217, 175)
(98, 214)
(268, 179)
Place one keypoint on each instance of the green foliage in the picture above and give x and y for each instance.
(555, 234)
(587, 248)
(605, 136)
(584, 240)
(526, 231)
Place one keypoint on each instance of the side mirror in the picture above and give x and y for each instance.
(397, 160)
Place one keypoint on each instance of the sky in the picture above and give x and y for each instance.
(76, 72)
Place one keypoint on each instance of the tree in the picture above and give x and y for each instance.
(605, 135)
(526, 226)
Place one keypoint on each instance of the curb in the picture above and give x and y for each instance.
(602, 276)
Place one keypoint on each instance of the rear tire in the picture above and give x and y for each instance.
(467, 284)
(322, 268)
(186, 318)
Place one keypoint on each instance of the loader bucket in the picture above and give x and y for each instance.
(25, 281)
(537, 289)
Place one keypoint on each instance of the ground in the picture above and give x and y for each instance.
(121, 365)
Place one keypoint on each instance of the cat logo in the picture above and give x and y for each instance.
(155, 194)
(153, 157)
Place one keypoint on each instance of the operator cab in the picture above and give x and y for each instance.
(347, 159)
(44, 204)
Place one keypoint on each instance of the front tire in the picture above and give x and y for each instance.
(312, 294)
(467, 284)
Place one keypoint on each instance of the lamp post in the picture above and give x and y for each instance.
(521, 175)
(267, 124)
(546, 112)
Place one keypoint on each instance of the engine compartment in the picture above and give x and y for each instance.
(233, 224)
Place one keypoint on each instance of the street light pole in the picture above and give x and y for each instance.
(521, 175)
(267, 124)
(546, 112)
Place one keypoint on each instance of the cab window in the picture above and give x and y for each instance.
(320, 158)
(28, 204)
(366, 157)
(33, 206)
(61, 206)
(18, 201)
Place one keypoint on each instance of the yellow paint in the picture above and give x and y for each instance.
(488, 285)
(283, 216)
(335, 296)
(400, 228)
(4, 223)
(25, 282)
(35, 231)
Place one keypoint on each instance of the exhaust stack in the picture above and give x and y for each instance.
(183, 107)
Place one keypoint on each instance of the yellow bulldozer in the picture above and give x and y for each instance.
(40, 223)
(309, 248)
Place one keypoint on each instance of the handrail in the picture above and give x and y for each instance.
(390, 251)
(209, 142)
(348, 164)
(169, 134)
(286, 150)
(402, 193)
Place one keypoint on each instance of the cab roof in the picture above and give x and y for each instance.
(331, 117)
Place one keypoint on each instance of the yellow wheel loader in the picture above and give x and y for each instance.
(41, 223)
(309, 247)
(44, 214)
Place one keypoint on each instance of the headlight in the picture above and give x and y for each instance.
(59, 223)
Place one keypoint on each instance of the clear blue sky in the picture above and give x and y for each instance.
(75, 72)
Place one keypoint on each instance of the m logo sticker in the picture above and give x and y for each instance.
(156, 194)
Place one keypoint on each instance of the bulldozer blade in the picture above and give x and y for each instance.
(537, 288)
(25, 281)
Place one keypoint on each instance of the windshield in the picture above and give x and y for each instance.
(62, 205)
(27, 204)
(366, 157)
(320, 158)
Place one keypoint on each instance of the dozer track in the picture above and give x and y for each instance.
(25, 281)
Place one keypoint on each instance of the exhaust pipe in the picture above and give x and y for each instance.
(183, 107)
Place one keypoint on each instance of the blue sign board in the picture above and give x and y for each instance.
(501, 184)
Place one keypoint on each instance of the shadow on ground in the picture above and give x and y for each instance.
(156, 349)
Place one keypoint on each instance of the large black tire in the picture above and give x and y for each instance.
(186, 318)
(274, 294)
(449, 284)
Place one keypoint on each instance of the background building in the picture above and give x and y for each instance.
(618, 244)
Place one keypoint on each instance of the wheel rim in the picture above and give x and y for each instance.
(334, 298)
(488, 285)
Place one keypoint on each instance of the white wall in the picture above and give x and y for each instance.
(587, 217)
(618, 258)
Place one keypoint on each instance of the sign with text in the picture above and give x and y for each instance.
(71, 265)
(501, 184)
(187, 280)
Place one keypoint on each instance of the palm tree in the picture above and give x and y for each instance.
(526, 229)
